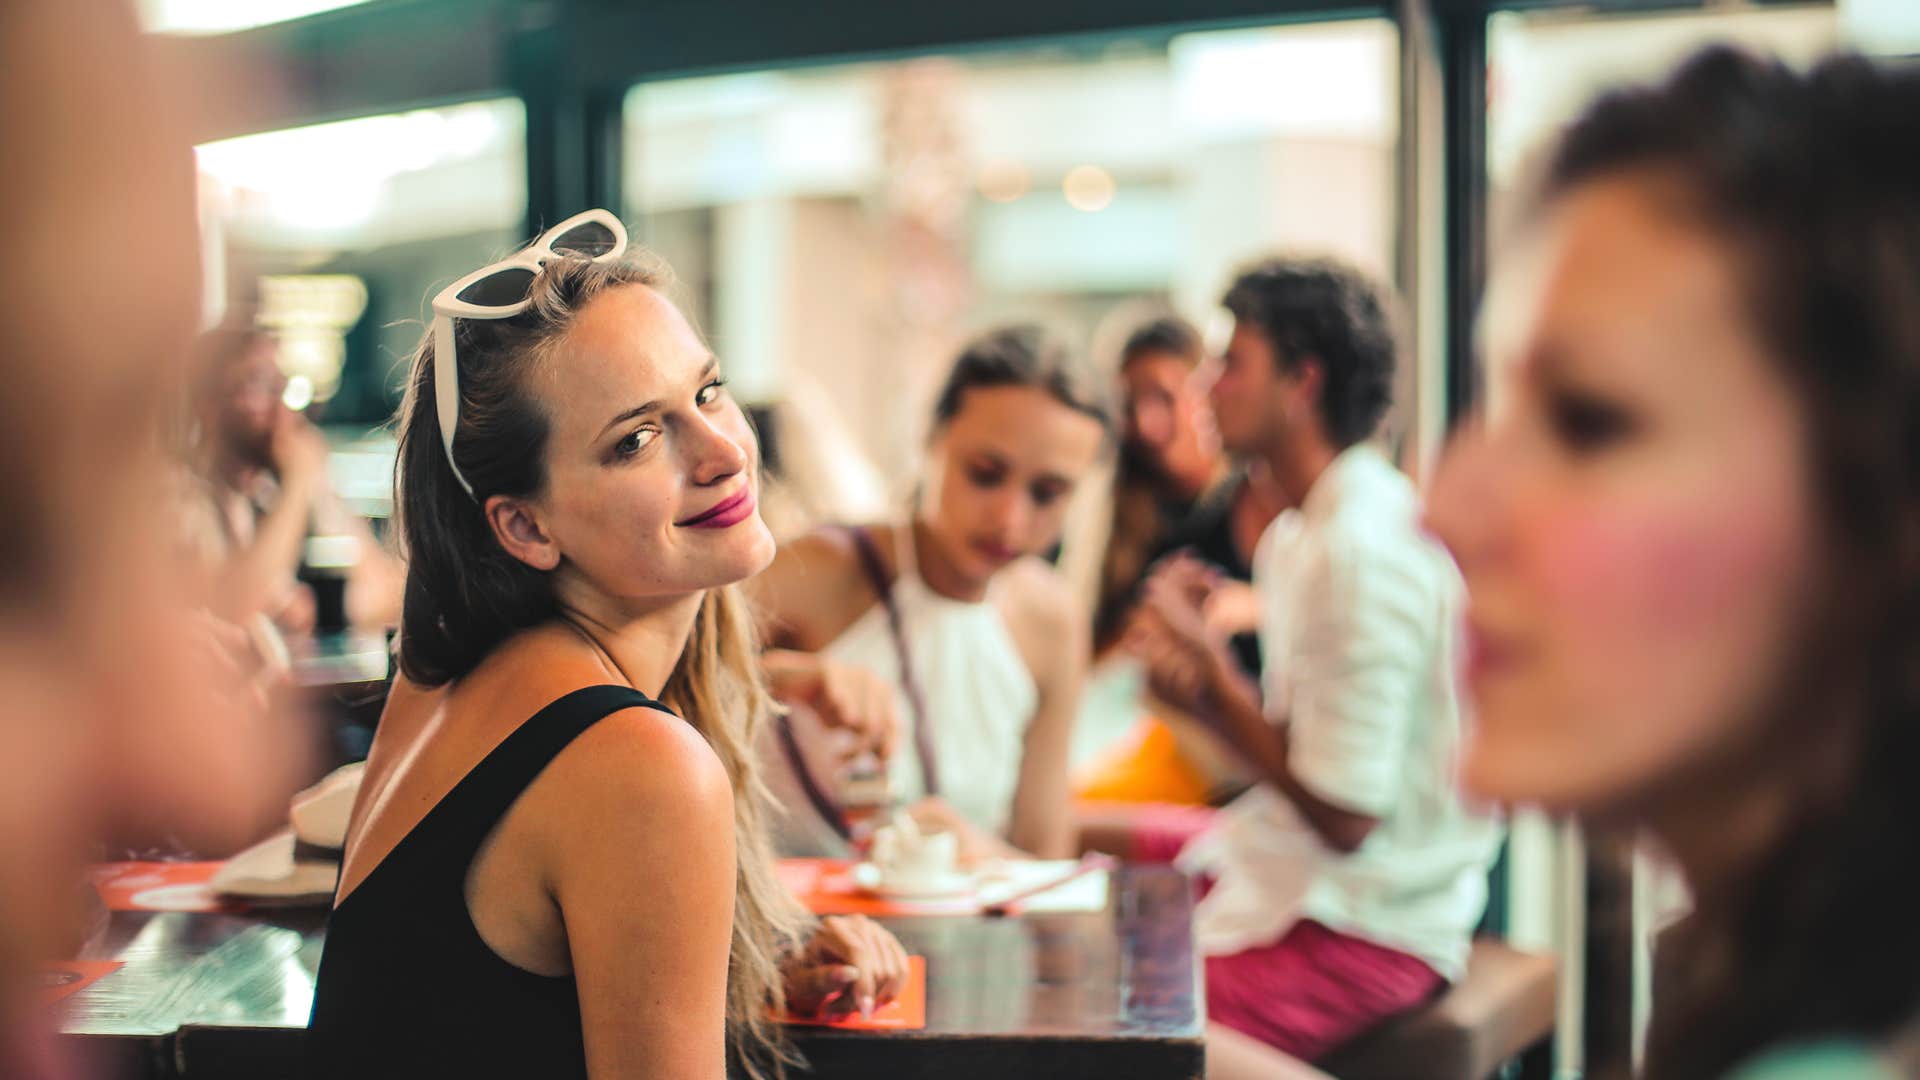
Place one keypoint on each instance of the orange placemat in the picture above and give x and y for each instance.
(160, 886)
(69, 977)
(908, 1012)
(826, 887)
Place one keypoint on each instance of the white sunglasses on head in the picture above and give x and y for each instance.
(503, 290)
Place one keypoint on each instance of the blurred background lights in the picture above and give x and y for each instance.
(308, 316)
(222, 16)
(1004, 180)
(1887, 27)
(298, 394)
(1088, 188)
(333, 175)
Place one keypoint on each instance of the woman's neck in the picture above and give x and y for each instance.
(638, 643)
(936, 569)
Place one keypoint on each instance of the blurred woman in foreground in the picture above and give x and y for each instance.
(122, 708)
(561, 814)
(1690, 529)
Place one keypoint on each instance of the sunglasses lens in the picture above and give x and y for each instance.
(509, 286)
(590, 238)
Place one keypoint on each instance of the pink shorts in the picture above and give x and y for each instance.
(1306, 994)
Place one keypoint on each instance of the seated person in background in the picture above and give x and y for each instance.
(561, 816)
(1346, 885)
(1169, 459)
(264, 469)
(1175, 490)
(977, 635)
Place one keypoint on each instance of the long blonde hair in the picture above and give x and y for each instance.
(717, 686)
(465, 595)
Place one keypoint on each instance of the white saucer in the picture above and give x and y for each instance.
(952, 885)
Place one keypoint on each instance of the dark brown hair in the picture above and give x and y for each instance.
(1024, 355)
(1812, 181)
(465, 595)
(1330, 311)
(1140, 518)
(1168, 335)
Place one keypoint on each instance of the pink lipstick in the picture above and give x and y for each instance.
(726, 513)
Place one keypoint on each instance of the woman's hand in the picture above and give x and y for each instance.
(846, 697)
(850, 962)
(298, 450)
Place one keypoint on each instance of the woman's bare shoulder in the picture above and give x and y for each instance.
(814, 589)
(642, 786)
(830, 554)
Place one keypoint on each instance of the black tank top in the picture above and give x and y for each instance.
(407, 988)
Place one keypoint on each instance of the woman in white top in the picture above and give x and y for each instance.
(979, 637)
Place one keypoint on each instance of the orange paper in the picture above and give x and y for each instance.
(160, 886)
(69, 977)
(908, 1012)
(826, 887)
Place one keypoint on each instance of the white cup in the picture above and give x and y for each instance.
(928, 864)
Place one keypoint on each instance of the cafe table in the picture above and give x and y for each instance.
(1113, 994)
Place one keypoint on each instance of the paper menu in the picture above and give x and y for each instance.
(827, 887)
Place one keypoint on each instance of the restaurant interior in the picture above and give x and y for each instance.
(847, 194)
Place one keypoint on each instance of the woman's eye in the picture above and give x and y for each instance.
(1046, 496)
(635, 441)
(710, 393)
(1586, 424)
(985, 478)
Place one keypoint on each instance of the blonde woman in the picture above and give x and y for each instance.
(561, 819)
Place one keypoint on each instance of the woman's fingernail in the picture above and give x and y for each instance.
(866, 1006)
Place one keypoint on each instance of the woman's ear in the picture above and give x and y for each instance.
(516, 525)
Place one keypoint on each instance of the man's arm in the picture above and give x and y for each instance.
(1192, 667)
(1232, 707)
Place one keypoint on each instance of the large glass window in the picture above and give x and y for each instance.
(839, 230)
(1543, 67)
(331, 237)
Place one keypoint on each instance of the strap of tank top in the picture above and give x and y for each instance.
(909, 681)
(477, 803)
(810, 786)
(817, 796)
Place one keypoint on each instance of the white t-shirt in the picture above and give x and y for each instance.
(1359, 626)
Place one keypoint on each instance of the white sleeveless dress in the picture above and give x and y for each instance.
(979, 697)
